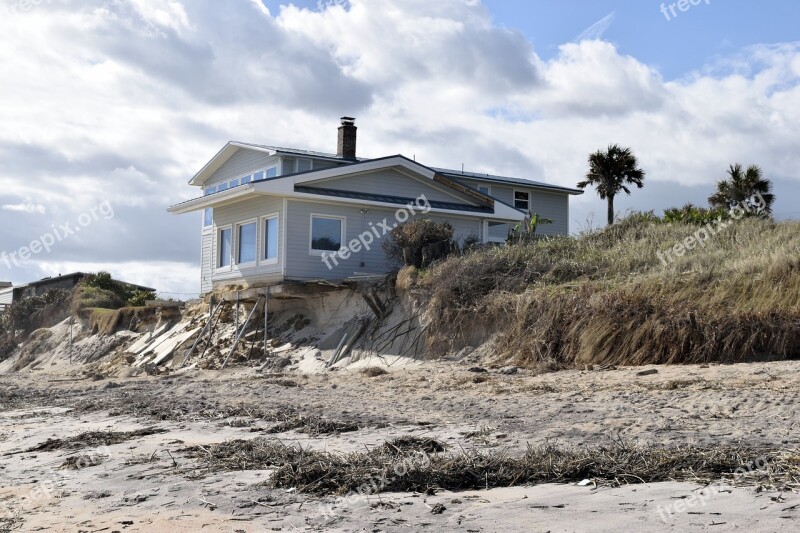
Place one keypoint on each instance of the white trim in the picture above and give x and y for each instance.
(283, 256)
(238, 244)
(218, 249)
(514, 198)
(262, 249)
(342, 240)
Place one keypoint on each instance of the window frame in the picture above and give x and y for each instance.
(262, 259)
(343, 236)
(488, 189)
(238, 244)
(514, 198)
(210, 224)
(218, 267)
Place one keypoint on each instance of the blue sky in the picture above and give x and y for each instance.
(148, 91)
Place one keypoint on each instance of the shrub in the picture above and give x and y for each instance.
(88, 297)
(692, 214)
(420, 242)
(128, 295)
(36, 312)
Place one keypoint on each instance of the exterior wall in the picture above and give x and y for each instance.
(241, 163)
(237, 213)
(392, 183)
(552, 205)
(302, 265)
(7, 296)
(206, 259)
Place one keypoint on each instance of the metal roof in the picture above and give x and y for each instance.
(399, 200)
(299, 152)
(457, 175)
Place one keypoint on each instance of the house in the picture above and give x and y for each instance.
(9, 294)
(273, 215)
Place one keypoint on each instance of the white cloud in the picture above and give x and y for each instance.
(27, 207)
(124, 101)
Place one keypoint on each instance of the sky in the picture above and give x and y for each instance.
(109, 107)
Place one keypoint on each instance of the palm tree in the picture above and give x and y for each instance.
(611, 171)
(741, 187)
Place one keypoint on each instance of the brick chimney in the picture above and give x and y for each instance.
(346, 149)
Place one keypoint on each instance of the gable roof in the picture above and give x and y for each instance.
(469, 176)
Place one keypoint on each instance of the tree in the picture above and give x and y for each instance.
(525, 231)
(741, 188)
(611, 171)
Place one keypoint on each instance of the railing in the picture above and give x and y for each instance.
(3, 308)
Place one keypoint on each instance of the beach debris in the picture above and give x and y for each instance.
(649, 372)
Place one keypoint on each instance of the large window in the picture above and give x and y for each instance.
(208, 217)
(522, 200)
(246, 245)
(270, 227)
(224, 243)
(327, 233)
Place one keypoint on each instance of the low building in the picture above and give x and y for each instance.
(9, 294)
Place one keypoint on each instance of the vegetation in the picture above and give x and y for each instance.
(420, 242)
(692, 214)
(25, 316)
(611, 172)
(525, 231)
(127, 294)
(606, 298)
(740, 187)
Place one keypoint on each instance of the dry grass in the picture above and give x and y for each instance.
(327, 473)
(606, 298)
(373, 371)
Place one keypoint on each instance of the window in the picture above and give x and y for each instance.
(258, 175)
(246, 243)
(208, 217)
(247, 179)
(327, 233)
(234, 183)
(210, 190)
(224, 247)
(222, 187)
(522, 200)
(485, 189)
(270, 227)
(303, 165)
(272, 172)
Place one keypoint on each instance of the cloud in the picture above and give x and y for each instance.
(25, 208)
(124, 101)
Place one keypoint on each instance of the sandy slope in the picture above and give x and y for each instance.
(149, 484)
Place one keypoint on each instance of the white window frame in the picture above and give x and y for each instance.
(218, 249)
(262, 248)
(343, 239)
(488, 187)
(514, 199)
(238, 244)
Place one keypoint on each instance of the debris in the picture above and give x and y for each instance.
(649, 372)
(438, 509)
(477, 369)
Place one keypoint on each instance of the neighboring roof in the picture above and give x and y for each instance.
(4, 284)
(458, 175)
(385, 198)
(46, 281)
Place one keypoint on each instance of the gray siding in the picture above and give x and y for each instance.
(206, 260)
(302, 265)
(241, 163)
(242, 212)
(554, 206)
(287, 165)
(392, 183)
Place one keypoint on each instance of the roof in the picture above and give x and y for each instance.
(458, 176)
(299, 152)
(45, 281)
(385, 198)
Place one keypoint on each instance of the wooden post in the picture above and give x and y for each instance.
(241, 332)
(266, 310)
(70, 338)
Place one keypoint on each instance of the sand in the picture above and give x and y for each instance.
(151, 484)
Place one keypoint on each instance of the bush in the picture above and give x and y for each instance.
(420, 242)
(692, 214)
(128, 295)
(88, 297)
(36, 312)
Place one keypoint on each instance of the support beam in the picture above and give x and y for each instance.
(241, 332)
